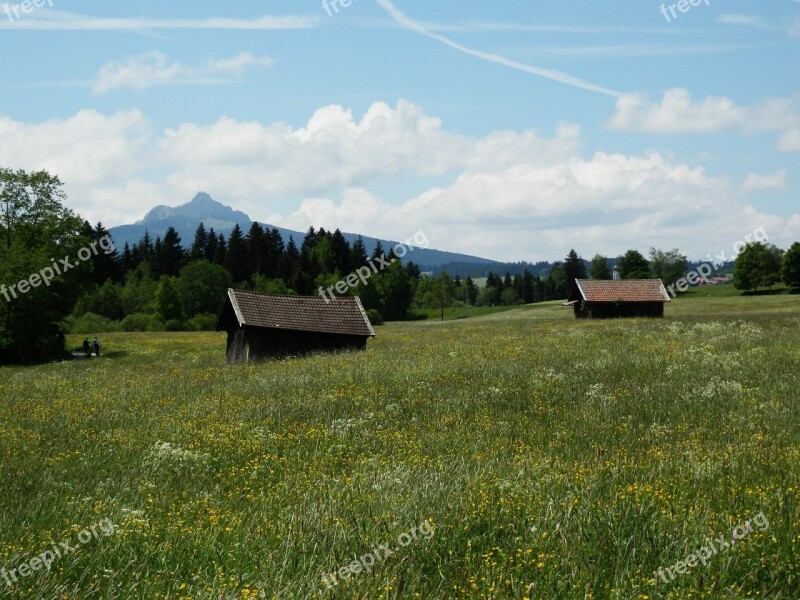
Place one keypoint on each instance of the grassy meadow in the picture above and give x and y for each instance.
(552, 459)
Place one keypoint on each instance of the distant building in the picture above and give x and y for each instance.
(615, 274)
(604, 299)
(267, 326)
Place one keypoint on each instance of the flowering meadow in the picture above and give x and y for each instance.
(552, 458)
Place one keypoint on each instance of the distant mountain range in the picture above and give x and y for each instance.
(204, 209)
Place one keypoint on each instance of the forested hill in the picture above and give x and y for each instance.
(204, 209)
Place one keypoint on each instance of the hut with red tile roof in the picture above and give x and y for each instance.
(605, 298)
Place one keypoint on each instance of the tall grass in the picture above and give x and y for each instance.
(554, 458)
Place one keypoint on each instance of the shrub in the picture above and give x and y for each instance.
(155, 324)
(142, 322)
(374, 317)
(175, 325)
(202, 322)
(135, 322)
(90, 323)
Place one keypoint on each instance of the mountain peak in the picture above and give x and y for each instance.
(202, 198)
(222, 218)
(184, 218)
(200, 208)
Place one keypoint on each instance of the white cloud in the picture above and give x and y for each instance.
(507, 195)
(334, 151)
(89, 152)
(607, 204)
(678, 112)
(52, 20)
(492, 26)
(790, 141)
(606, 51)
(775, 181)
(153, 68)
(69, 147)
(739, 19)
(794, 28)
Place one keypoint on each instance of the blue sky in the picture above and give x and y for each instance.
(513, 130)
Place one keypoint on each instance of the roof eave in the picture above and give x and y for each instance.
(235, 304)
(364, 314)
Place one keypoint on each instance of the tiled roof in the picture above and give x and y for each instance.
(343, 316)
(628, 290)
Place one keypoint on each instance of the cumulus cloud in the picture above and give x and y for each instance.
(506, 195)
(607, 203)
(90, 152)
(154, 68)
(334, 150)
(678, 112)
(774, 181)
(790, 141)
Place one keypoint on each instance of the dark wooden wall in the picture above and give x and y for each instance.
(249, 343)
(614, 310)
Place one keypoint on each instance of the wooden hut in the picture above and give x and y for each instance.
(268, 326)
(606, 299)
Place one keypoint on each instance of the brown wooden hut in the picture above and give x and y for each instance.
(606, 299)
(268, 326)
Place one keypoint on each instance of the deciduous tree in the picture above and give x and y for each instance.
(633, 265)
(758, 265)
(598, 268)
(36, 233)
(790, 269)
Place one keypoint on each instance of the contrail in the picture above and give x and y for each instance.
(500, 60)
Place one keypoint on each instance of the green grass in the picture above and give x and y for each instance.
(463, 312)
(554, 458)
(727, 291)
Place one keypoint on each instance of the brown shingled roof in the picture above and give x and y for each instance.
(628, 290)
(343, 316)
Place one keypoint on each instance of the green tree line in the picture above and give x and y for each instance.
(157, 285)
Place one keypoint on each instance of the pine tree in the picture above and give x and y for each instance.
(574, 268)
(358, 253)
(198, 249)
(172, 255)
(236, 257)
(128, 263)
(275, 254)
(156, 260)
(220, 250)
(528, 288)
(291, 261)
(341, 251)
(471, 291)
(210, 247)
(107, 263)
(257, 249)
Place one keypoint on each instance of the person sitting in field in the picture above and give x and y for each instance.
(96, 344)
(87, 348)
